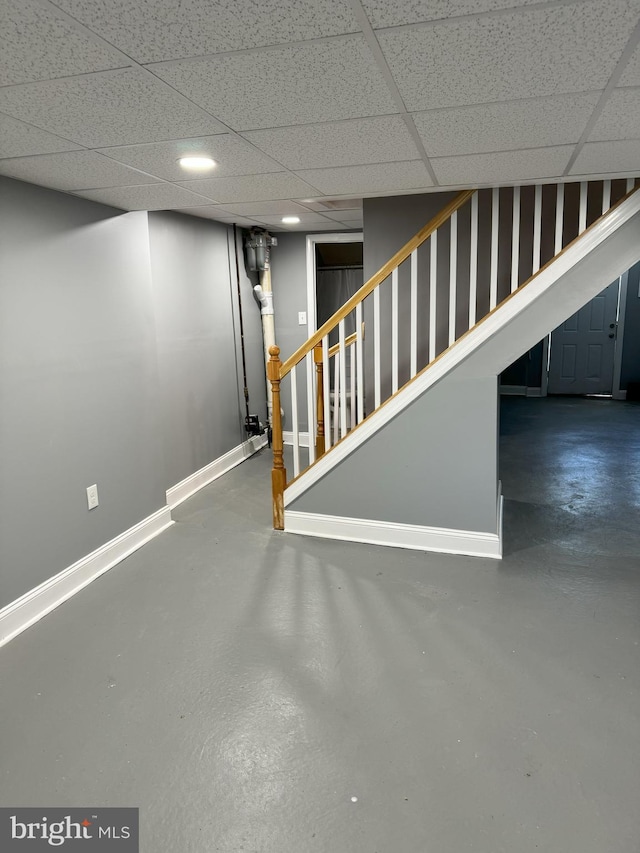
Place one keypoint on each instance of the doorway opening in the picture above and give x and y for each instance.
(585, 352)
(334, 273)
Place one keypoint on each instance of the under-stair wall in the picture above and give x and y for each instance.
(426, 480)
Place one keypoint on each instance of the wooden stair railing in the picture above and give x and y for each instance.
(527, 226)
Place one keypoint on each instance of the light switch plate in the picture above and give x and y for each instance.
(92, 496)
(302, 318)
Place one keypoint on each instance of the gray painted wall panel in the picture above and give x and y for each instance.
(82, 398)
(196, 348)
(631, 344)
(78, 381)
(289, 284)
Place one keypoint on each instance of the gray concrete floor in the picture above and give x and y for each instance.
(243, 687)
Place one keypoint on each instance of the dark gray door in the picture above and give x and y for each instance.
(582, 348)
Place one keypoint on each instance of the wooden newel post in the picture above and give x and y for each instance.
(317, 357)
(278, 473)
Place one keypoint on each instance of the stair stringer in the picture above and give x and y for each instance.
(602, 253)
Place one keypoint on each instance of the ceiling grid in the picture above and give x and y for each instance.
(314, 103)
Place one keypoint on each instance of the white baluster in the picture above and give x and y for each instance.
(515, 241)
(453, 275)
(376, 345)
(311, 405)
(394, 331)
(559, 217)
(473, 261)
(582, 219)
(336, 398)
(630, 183)
(537, 227)
(326, 391)
(606, 195)
(294, 416)
(360, 363)
(433, 275)
(414, 313)
(352, 383)
(343, 380)
(495, 214)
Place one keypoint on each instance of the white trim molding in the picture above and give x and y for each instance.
(33, 605)
(196, 481)
(393, 534)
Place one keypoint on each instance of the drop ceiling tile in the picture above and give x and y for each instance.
(321, 81)
(233, 156)
(367, 140)
(620, 118)
(601, 158)
(309, 228)
(393, 13)
(18, 139)
(151, 197)
(385, 177)
(265, 208)
(165, 29)
(109, 108)
(277, 185)
(631, 74)
(333, 204)
(36, 43)
(344, 215)
(515, 54)
(306, 221)
(74, 170)
(531, 123)
(208, 211)
(503, 167)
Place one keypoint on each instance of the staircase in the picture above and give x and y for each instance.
(479, 285)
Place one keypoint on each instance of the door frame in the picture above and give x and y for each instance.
(312, 239)
(616, 393)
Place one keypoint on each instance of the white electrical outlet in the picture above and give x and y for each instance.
(302, 318)
(92, 496)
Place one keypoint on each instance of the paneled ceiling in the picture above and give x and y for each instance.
(307, 106)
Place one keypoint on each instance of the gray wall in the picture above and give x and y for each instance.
(289, 284)
(194, 296)
(105, 376)
(78, 381)
(631, 344)
(434, 465)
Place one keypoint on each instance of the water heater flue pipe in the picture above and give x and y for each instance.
(265, 297)
(258, 246)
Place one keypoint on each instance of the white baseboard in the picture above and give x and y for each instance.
(619, 395)
(393, 534)
(194, 482)
(33, 605)
(303, 438)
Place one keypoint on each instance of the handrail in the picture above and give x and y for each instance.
(348, 341)
(384, 272)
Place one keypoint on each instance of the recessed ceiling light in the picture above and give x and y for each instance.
(291, 220)
(197, 164)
